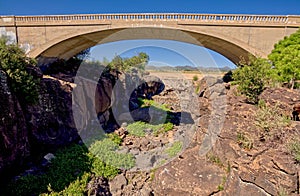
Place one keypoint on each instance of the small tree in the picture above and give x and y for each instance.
(195, 78)
(252, 77)
(15, 64)
(286, 60)
(124, 64)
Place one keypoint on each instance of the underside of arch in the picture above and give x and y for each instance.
(67, 48)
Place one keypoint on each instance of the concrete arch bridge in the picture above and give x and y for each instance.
(233, 36)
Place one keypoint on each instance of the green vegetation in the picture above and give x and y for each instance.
(197, 90)
(252, 77)
(105, 150)
(151, 103)
(295, 149)
(16, 65)
(174, 149)
(125, 64)
(286, 60)
(221, 186)
(244, 141)
(228, 168)
(166, 127)
(70, 162)
(270, 117)
(73, 167)
(115, 138)
(138, 128)
(78, 187)
(195, 78)
(282, 191)
(215, 159)
(282, 66)
(100, 168)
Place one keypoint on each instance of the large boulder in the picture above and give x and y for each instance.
(51, 119)
(151, 86)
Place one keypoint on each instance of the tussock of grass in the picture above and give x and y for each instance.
(215, 159)
(149, 103)
(295, 149)
(244, 141)
(269, 118)
(174, 149)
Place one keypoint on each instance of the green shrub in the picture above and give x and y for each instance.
(163, 128)
(70, 163)
(152, 103)
(14, 63)
(195, 78)
(244, 141)
(252, 77)
(138, 128)
(27, 185)
(105, 150)
(125, 64)
(270, 117)
(71, 169)
(295, 149)
(115, 138)
(168, 127)
(78, 187)
(174, 149)
(100, 168)
(286, 60)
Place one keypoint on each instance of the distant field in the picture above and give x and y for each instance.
(183, 74)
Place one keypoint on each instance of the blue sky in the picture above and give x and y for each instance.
(159, 51)
(162, 53)
(34, 7)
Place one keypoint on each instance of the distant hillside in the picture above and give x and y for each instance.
(187, 68)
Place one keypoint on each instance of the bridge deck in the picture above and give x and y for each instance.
(216, 19)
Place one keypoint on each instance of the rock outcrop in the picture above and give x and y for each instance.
(26, 129)
(240, 162)
(224, 151)
(50, 121)
(14, 141)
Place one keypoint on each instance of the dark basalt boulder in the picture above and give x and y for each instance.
(51, 119)
(151, 86)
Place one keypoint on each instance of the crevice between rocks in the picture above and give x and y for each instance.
(253, 184)
(277, 167)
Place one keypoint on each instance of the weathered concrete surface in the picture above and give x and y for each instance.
(230, 35)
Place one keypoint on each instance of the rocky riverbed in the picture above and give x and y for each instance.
(223, 148)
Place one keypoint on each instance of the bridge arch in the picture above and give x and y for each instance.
(68, 46)
(231, 35)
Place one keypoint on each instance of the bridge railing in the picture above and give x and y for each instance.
(203, 18)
